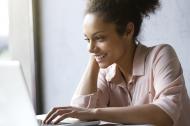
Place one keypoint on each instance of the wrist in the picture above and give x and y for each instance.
(95, 113)
(93, 64)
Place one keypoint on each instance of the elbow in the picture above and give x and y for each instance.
(161, 118)
(164, 121)
(169, 122)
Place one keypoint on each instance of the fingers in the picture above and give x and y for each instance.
(81, 115)
(52, 117)
(70, 114)
(50, 113)
(55, 112)
(59, 113)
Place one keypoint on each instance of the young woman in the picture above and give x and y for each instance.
(125, 81)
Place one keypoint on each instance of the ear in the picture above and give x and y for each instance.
(130, 29)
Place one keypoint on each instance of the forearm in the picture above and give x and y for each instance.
(88, 82)
(145, 114)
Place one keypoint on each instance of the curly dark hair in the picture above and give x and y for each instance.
(121, 12)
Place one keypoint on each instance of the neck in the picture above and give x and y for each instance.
(126, 63)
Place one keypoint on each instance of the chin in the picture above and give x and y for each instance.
(104, 65)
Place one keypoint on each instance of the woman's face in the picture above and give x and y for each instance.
(104, 43)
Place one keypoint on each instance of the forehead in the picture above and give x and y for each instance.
(94, 23)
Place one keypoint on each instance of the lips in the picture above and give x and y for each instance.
(99, 58)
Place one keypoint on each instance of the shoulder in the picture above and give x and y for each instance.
(154, 53)
(165, 60)
(162, 51)
(162, 58)
(163, 48)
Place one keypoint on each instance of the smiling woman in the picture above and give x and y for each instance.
(126, 81)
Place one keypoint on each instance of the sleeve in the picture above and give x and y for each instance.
(96, 99)
(168, 81)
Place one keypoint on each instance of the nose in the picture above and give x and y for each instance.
(92, 47)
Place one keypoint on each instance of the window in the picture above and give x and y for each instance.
(17, 38)
(4, 30)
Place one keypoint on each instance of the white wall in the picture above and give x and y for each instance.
(64, 51)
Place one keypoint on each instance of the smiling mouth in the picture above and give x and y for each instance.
(99, 58)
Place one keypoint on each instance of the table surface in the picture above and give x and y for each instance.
(102, 123)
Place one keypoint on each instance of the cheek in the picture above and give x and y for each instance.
(118, 51)
(118, 54)
(114, 48)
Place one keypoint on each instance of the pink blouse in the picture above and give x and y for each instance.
(157, 79)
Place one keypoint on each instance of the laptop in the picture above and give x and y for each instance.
(16, 108)
(15, 104)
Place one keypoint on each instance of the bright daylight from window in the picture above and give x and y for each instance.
(4, 30)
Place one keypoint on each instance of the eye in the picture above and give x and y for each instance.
(100, 38)
(86, 39)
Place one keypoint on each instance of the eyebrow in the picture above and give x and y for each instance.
(94, 33)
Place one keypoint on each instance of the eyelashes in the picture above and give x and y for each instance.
(86, 39)
(100, 38)
(97, 39)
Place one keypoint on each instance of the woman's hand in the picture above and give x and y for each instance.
(58, 114)
(88, 82)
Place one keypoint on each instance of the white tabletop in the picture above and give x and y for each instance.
(72, 120)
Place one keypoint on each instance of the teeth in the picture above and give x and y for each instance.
(99, 57)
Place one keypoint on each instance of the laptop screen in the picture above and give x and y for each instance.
(15, 104)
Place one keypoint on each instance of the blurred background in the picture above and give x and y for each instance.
(4, 30)
(46, 37)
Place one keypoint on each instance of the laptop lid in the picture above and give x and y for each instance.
(15, 104)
